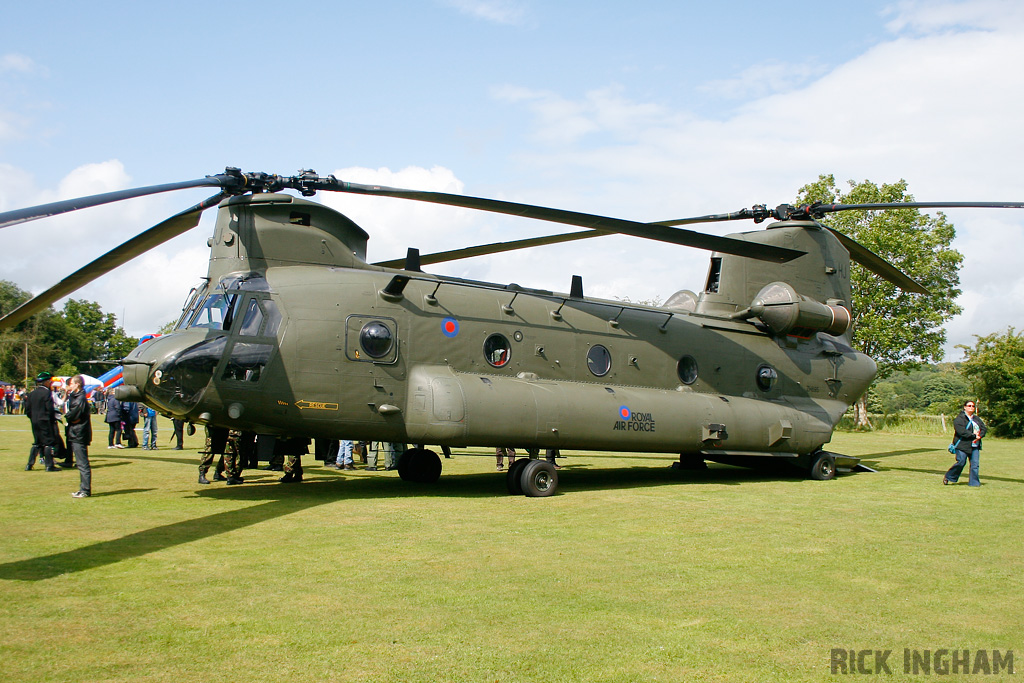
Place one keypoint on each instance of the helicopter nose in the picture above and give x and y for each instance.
(173, 371)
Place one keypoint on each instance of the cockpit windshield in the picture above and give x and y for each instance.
(215, 312)
(195, 297)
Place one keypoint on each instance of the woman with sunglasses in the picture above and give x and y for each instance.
(968, 429)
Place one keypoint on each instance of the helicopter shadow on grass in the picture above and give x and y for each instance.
(921, 470)
(94, 465)
(272, 500)
(166, 536)
(194, 460)
(119, 492)
(572, 478)
(871, 459)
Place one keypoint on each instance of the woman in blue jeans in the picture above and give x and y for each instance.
(968, 429)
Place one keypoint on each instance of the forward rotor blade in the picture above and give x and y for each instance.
(654, 231)
(32, 213)
(153, 237)
(742, 214)
(494, 248)
(878, 265)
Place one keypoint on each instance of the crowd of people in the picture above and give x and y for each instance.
(51, 402)
(11, 399)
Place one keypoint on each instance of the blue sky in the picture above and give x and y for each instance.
(651, 111)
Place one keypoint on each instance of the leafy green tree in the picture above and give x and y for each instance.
(93, 334)
(900, 330)
(27, 338)
(55, 340)
(995, 366)
(945, 392)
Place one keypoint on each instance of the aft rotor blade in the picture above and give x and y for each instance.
(858, 252)
(878, 265)
(494, 248)
(153, 237)
(821, 209)
(654, 231)
(32, 213)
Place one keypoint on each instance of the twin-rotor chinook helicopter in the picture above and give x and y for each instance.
(293, 334)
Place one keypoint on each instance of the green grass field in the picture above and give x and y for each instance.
(633, 572)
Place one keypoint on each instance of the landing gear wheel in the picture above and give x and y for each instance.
(405, 466)
(419, 465)
(539, 479)
(514, 478)
(823, 467)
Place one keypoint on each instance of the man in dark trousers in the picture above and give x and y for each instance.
(179, 433)
(79, 418)
(40, 411)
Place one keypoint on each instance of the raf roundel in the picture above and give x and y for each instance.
(625, 413)
(450, 327)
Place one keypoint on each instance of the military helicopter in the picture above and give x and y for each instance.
(293, 333)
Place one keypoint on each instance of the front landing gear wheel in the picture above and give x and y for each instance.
(539, 479)
(823, 467)
(419, 465)
(514, 478)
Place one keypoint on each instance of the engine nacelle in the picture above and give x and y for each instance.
(786, 312)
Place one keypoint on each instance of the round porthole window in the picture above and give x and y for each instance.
(376, 339)
(687, 369)
(497, 350)
(766, 377)
(599, 360)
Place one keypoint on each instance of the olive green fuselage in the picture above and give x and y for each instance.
(357, 352)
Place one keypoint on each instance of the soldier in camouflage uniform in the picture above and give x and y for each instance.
(226, 443)
(292, 469)
(293, 450)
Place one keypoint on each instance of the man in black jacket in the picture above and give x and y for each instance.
(40, 411)
(79, 419)
(968, 430)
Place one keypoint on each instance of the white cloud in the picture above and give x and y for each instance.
(396, 224)
(13, 63)
(148, 291)
(494, 11)
(927, 16)
(763, 79)
(939, 107)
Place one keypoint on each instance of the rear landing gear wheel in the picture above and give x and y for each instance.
(514, 478)
(823, 467)
(539, 479)
(419, 465)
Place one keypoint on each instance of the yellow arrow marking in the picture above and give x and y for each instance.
(315, 405)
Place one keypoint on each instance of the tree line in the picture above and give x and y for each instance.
(58, 340)
(905, 332)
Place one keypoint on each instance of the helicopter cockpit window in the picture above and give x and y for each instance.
(195, 298)
(252, 320)
(687, 369)
(766, 377)
(497, 350)
(249, 282)
(247, 362)
(376, 339)
(273, 317)
(216, 312)
(599, 360)
(714, 275)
